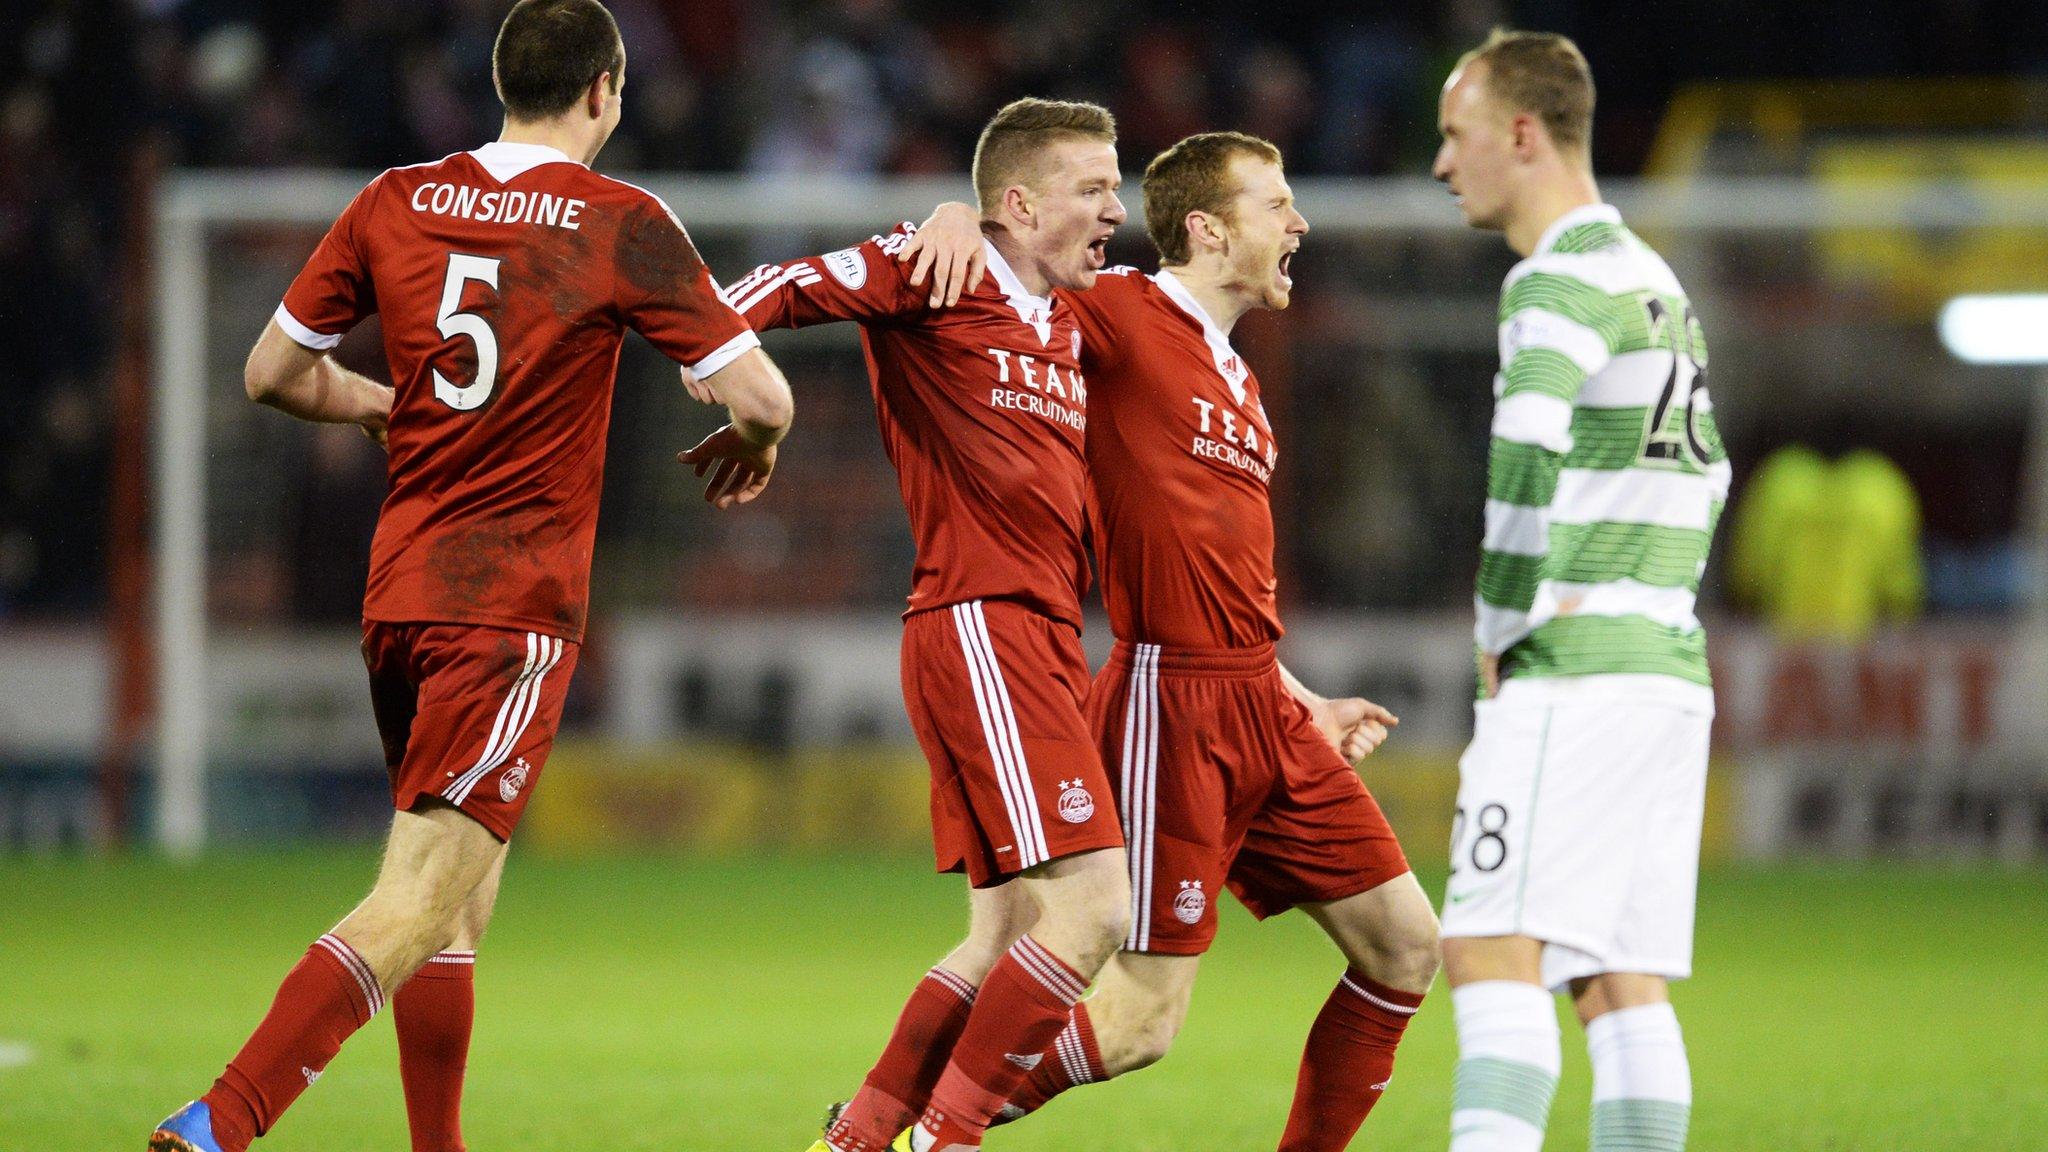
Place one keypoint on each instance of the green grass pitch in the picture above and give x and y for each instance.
(719, 1005)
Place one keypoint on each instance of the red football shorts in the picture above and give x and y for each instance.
(1223, 778)
(467, 713)
(994, 692)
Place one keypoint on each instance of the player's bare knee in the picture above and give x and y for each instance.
(1409, 965)
(1596, 996)
(1463, 962)
(1084, 907)
(1410, 954)
(1091, 927)
(1413, 964)
(1108, 916)
(1473, 958)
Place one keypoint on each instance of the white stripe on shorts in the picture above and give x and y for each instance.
(1140, 780)
(999, 728)
(542, 654)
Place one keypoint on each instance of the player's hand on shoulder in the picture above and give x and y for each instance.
(1355, 726)
(739, 468)
(948, 248)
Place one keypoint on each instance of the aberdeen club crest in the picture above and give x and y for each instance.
(1076, 805)
(1190, 902)
(513, 780)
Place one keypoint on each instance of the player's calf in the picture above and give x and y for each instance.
(1140, 1002)
(1029, 995)
(1388, 934)
(1642, 1080)
(1508, 1048)
(435, 860)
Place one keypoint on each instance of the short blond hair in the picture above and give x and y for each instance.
(1194, 176)
(1010, 144)
(1544, 74)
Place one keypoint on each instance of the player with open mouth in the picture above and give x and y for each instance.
(983, 407)
(1231, 773)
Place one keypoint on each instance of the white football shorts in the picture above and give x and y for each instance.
(1578, 823)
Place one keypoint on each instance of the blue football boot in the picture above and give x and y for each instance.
(189, 1129)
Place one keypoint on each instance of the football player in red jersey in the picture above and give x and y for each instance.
(1230, 772)
(983, 409)
(506, 278)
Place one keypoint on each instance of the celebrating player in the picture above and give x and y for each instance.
(982, 408)
(506, 278)
(1231, 772)
(1575, 852)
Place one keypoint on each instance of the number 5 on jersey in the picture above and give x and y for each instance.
(463, 268)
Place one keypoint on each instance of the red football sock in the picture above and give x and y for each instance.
(1072, 1060)
(433, 1012)
(327, 996)
(898, 1087)
(1025, 1002)
(1347, 1064)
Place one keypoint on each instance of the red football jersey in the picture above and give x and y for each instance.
(506, 278)
(1180, 455)
(983, 412)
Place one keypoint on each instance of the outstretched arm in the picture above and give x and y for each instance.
(308, 384)
(947, 248)
(864, 283)
(741, 456)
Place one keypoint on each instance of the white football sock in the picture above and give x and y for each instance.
(1508, 1061)
(1642, 1084)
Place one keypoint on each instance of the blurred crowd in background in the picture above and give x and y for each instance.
(93, 92)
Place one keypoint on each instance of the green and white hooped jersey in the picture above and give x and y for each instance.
(1606, 474)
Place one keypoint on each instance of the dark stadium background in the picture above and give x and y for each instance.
(723, 885)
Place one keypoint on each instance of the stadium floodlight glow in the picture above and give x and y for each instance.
(2003, 329)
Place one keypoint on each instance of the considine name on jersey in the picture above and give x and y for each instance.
(468, 202)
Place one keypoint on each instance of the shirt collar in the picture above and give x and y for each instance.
(1035, 311)
(1584, 214)
(506, 161)
(1228, 363)
(1007, 279)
